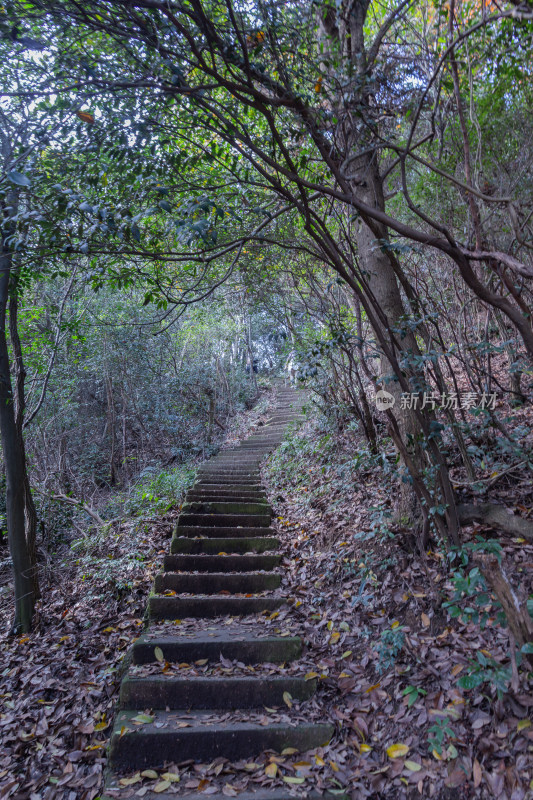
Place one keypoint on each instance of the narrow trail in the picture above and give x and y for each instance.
(222, 564)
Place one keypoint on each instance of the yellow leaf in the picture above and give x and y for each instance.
(100, 726)
(310, 675)
(287, 699)
(395, 624)
(318, 85)
(413, 766)
(397, 750)
(334, 638)
(523, 724)
(201, 662)
(162, 786)
(158, 653)
(85, 117)
(364, 748)
(457, 669)
(320, 761)
(346, 654)
(271, 770)
(143, 718)
(371, 688)
(289, 751)
(150, 773)
(426, 622)
(173, 777)
(436, 755)
(290, 779)
(130, 781)
(334, 766)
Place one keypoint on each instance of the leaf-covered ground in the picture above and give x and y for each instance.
(383, 648)
(59, 684)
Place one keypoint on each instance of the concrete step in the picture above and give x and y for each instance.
(251, 794)
(222, 531)
(228, 476)
(161, 607)
(228, 487)
(224, 495)
(231, 642)
(216, 479)
(160, 692)
(225, 520)
(226, 507)
(216, 563)
(231, 472)
(256, 544)
(217, 582)
(149, 745)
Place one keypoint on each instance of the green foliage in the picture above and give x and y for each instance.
(156, 492)
(413, 693)
(485, 669)
(471, 599)
(389, 648)
(439, 733)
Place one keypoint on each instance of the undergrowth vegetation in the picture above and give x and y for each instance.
(419, 632)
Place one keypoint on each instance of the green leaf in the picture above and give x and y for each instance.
(165, 205)
(18, 178)
(470, 681)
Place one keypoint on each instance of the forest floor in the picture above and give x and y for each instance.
(59, 685)
(388, 655)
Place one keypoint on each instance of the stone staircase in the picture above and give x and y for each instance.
(222, 564)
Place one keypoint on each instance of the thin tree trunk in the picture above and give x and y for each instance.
(20, 406)
(23, 567)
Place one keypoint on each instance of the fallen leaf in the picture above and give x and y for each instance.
(477, 773)
(173, 777)
(287, 699)
(150, 773)
(130, 781)
(397, 750)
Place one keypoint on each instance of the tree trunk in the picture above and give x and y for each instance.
(23, 567)
(30, 512)
(384, 293)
